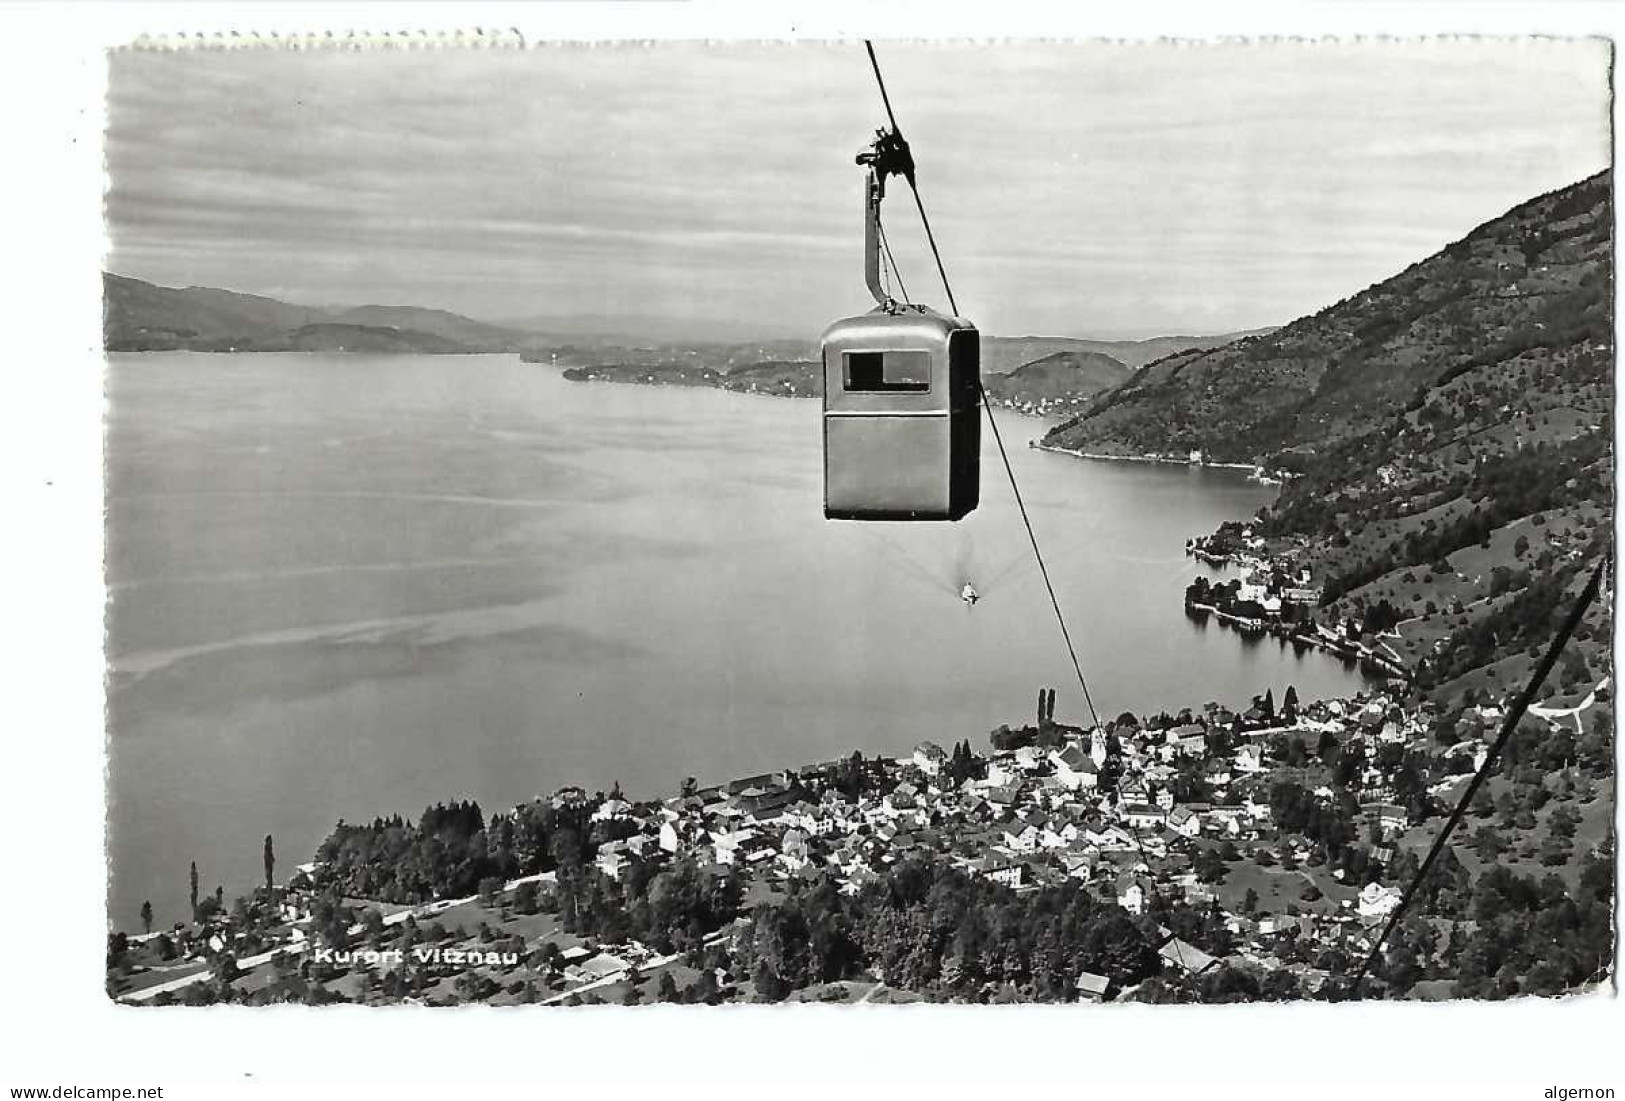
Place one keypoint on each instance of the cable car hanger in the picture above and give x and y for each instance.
(888, 155)
(898, 154)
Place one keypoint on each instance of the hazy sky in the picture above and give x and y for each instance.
(1089, 189)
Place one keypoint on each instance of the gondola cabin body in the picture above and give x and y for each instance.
(902, 425)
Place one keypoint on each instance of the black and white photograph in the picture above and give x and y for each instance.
(851, 523)
(587, 546)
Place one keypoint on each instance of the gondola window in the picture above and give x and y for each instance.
(884, 372)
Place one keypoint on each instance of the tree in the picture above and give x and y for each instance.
(1562, 823)
(146, 916)
(1289, 704)
(1488, 844)
(269, 857)
(1249, 902)
(194, 890)
(704, 988)
(565, 848)
(224, 970)
(118, 948)
(690, 787)
(1210, 867)
(666, 988)
(372, 923)
(769, 987)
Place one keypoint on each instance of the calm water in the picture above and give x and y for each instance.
(351, 586)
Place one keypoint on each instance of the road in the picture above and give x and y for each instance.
(300, 947)
(1552, 713)
(650, 967)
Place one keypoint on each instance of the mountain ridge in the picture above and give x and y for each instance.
(1447, 434)
(1057, 381)
(1335, 372)
(143, 316)
(1002, 354)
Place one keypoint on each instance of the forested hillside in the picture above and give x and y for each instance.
(1530, 287)
(1451, 435)
(1057, 381)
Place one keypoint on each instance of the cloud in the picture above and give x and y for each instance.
(1249, 182)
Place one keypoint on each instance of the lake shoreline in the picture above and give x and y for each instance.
(531, 665)
(1256, 472)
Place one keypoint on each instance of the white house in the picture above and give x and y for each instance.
(1132, 892)
(1022, 837)
(612, 858)
(929, 758)
(1058, 835)
(729, 846)
(904, 797)
(1092, 987)
(1391, 816)
(1074, 769)
(1108, 838)
(794, 850)
(611, 809)
(1143, 816)
(1001, 869)
(1184, 821)
(1377, 901)
(1186, 956)
(1080, 863)
(673, 834)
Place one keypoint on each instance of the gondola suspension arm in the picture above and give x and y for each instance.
(888, 156)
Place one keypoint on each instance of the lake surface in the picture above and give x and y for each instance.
(347, 586)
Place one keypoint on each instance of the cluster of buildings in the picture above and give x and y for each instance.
(1278, 595)
(1126, 810)
(1140, 813)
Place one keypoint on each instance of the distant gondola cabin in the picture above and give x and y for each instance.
(902, 424)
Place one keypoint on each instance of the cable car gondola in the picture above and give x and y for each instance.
(902, 425)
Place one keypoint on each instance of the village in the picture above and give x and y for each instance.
(1274, 593)
(1281, 823)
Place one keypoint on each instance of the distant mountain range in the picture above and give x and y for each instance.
(1002, 354)
(141, 316)
(1056, 382)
